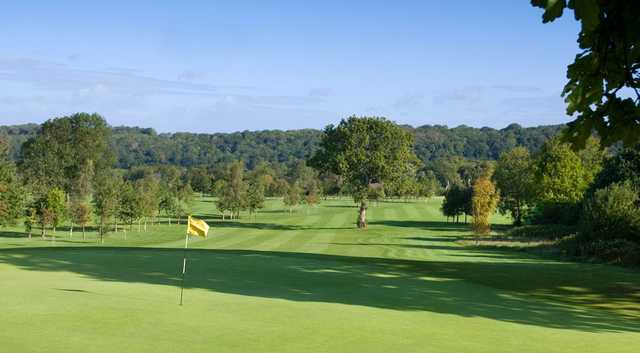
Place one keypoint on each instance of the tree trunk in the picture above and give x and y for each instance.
(362, 216)
(71, 232)
(518, 216)
(84, 237)
(145, 225)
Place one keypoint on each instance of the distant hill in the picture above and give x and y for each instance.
(143, 146)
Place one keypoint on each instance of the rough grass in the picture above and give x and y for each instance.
(309, 282)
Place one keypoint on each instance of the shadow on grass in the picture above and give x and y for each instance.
(546, 294)
(413, 246)
(446, 239)
(248, 224)
(437, 226)
(72, 290)
(268, 226)
(430, 225)
(9, 234)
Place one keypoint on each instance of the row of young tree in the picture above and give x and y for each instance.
(65, 178)
(276, 180)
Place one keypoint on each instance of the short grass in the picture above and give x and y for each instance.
(309, 282)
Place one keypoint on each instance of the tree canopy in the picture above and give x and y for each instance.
(603, 90)
(514, 178)
(365, 150)
(60, 151)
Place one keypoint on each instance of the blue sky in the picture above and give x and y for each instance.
(215, 66)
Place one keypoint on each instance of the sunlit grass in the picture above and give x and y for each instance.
(308, 282)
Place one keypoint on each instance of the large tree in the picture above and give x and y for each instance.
(11, 192)
(365, 150)
(561, 175)
(603, 91)
(514, 179)
(65, 150)
(561, 179)
(457, 201)
(624, 166)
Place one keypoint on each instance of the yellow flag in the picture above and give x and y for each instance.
(197, 227)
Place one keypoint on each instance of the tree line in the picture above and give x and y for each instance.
(144, 146)
(592, 192)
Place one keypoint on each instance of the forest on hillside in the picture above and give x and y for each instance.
(136, 146)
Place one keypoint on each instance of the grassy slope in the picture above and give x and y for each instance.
(309, 282)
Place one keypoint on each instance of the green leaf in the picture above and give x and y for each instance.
(552, 8)
(587, 11)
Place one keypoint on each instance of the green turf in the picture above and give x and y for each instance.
(309, 282)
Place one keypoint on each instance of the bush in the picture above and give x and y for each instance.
(613, 251)
(612, 212)
(543, 231)
(554, 213)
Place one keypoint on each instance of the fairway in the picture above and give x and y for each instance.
(308, 282)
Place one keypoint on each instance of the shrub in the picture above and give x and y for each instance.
(543, 231)
(613, 251)
(612, 212)
(554, 213)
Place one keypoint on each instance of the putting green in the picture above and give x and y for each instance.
(308, 282)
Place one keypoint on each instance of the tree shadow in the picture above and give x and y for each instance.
(413, 246)
(11, 234)
(469, 251)
(546, 294)
(247, 224)
(252, 225)
(427, 225)
(72, 290)
(446, 239)
(437, 226)
(220, 224)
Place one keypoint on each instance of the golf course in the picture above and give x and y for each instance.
(308, 281)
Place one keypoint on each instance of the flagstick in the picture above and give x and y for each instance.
(184, 264)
